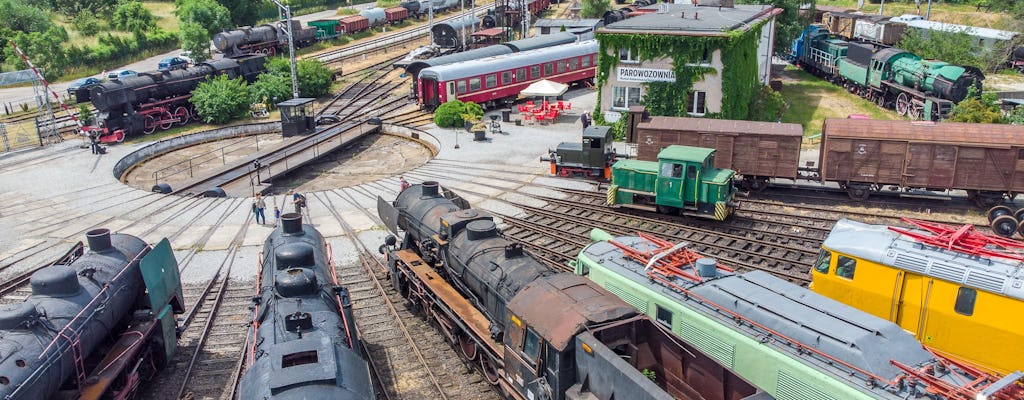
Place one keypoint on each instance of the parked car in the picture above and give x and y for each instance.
(82, 83)
(187, 56)
(171, 64)
(120, 74)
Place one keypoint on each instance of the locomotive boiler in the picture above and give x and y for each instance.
(947, 81)
(303, 342)
(152, 100)
(120, 296)
(266, 39)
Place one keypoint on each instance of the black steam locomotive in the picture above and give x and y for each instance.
(94, 327)
(262, 39)
(534, 332)
(303, 342)
(151, 100)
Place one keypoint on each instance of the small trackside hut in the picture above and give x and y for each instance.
(297, 116)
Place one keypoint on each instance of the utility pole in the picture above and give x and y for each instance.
(291, 46)
(430, 20)
(928, 13)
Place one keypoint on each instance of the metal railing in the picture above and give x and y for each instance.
(220, 153)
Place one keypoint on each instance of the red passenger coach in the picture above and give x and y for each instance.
(499, 79)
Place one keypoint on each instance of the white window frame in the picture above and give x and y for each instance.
(692, 106)
(625, 99)
(630, 57)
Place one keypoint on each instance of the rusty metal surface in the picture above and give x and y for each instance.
(558, 307)
(117, 360)
(977, 135)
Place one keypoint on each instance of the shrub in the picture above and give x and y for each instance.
(87, 24)
(219, 100)
(274, 88)
(450, 114)
(314, 78)
(84, 115)
(132, 16)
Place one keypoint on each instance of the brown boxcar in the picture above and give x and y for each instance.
(986, 160)
(353, 23)
(756, 150)
(841, 23)
(879, 29)
(395, 15)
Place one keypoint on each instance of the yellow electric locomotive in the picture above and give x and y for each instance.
(947, 285)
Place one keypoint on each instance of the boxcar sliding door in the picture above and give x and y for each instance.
(930, 165)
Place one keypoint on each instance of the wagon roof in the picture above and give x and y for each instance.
(981, 135)
(722, 126)
(579, 303)
(685, 153)
(509, 61)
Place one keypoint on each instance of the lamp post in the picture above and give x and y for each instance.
(291, 45)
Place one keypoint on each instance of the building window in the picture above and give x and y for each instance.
(624, 97)
(664, 316)
(697, 103)
(823, 259)
(535, 72)
(474, 84)
(491, 81)
(574, 64)
(549, 69)
(585, 61)
(845, 267)
(965, 301)
(626, 55)
(520, 74)
(506, 77)
(462, 87)
(561, 66)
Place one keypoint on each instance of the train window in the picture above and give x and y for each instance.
(520, 74)
(663, 316)
(491, 81)
(462, 87)
(506, 77)
(574, 64)
(845, 267)
(561, 66)
(691, 172)
(474, 84)
(535, 72)
(585, 61)
(531, 347)
(824, 257)
(965, 298)
(549, 69)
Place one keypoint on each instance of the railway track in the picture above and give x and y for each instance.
(411, 359)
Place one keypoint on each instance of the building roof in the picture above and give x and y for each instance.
(975, 135)
(567, 23)
(691, 20)
(710, 125)
(685, 153)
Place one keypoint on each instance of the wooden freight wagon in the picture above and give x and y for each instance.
(395, 15)
(841, 23)
(986, 160)
(352, 24)
(757, 151)
(878, 29)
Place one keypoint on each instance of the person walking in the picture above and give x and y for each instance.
(258, 206)
(277, 215)
(585, 119)
(403, 184)
(298, 200)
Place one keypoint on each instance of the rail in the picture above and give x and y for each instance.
(192, 164)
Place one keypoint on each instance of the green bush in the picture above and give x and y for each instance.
(314, 78)
(768, 105)
(84, 115)
(219, 100)
(87, 24)
(132, 16)
(274, 88)
(450, 114)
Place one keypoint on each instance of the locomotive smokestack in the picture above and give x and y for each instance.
(291, 223)
(99, 240)
(430, 189)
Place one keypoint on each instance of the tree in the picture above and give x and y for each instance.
(977, 109)
(954, 48)
(219, 99)
(72, 8)
(314, 78)
(768, 105)
(194, 38)
(243, 12)
(449, 115)
(1016, 116)
(272, 87)
(132, 16)
(43, 48)
(19, 16)
(206, 13)
(594, 8)
(790, 23)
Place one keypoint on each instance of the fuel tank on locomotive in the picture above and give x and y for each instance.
(154, 85)
(226, 41)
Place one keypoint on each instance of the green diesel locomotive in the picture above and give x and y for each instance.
(682, 181)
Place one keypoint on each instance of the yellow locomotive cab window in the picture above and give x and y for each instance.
(824, 257)
(965, 301)
(845, 267)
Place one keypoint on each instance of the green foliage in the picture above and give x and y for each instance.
(314, 78)
(206, 13)
(739, 71)
(243, 12)
(72, 8)
(387, 3)
(594, 8)
(790, 23)
(44, 48)
(450, 114)
(84, 114)
(977, 109)
(87, 24)
(196, 39)
(768, 105)
(275, 88)
(19, 16)
(954, 48)
(1015, 116)
(219, 100)
(650, 374)
(132, 16)
(112, 51)
(617, 128)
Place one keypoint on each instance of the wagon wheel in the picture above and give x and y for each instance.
(182, 114)
(914, 112)
(999, 211)
(487, 367)
(467, 347)
(1019, 214)
(272, 51)
(758, 184)
(902, 104)
(879, 99)
(149, 125)
(563, 172)
(1005, 226)
(1020, 228)
(168, 120)
(858, 192)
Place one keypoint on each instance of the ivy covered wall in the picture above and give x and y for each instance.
(739, 68)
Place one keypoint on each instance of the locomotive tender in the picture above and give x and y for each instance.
(151, 100)
(791, 342)
(303, 343)
(496, 304)
(95, 327)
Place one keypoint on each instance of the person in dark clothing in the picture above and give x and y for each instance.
(585, 119)
(95, 143)
(298, 200)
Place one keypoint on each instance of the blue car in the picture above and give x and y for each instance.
(171, 64)
(82, 83)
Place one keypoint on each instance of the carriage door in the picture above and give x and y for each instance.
(913, 293)
(930, 165)
(670, 184)
(523, 358)
(428, 91)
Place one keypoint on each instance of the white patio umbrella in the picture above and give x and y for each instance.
(545, 88)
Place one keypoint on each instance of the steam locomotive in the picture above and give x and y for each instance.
(142, 104)
(303, 343)
(534, 332)
(262, 39)
(93, 327)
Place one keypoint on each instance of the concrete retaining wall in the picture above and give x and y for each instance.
(175, 143)
(420, 136)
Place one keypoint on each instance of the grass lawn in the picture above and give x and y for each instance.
(164, 12)
(965, 14)
(812, 99)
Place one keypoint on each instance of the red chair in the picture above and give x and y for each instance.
(540, 118)
(544, 105)
(528, 117)
(568, 105)
(561, 105)
(552, 115)
(529, 104)
(553, 107)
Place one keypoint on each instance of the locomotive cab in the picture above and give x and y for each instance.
(592, 158)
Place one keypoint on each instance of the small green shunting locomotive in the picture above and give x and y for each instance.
(682, 181)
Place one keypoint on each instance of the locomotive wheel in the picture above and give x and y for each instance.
(149, 125)
(490, 372)
(1019, 214)
(1020, 228)
(183, 115)
(902, 104)
(666, 210)
(858, 192)
(1005, 226)
(914, 113)
(758, 184)
(999, 211)
(467, 347)
(166, 116)
(272, 51)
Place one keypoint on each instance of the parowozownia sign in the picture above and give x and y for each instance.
(633, 74)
